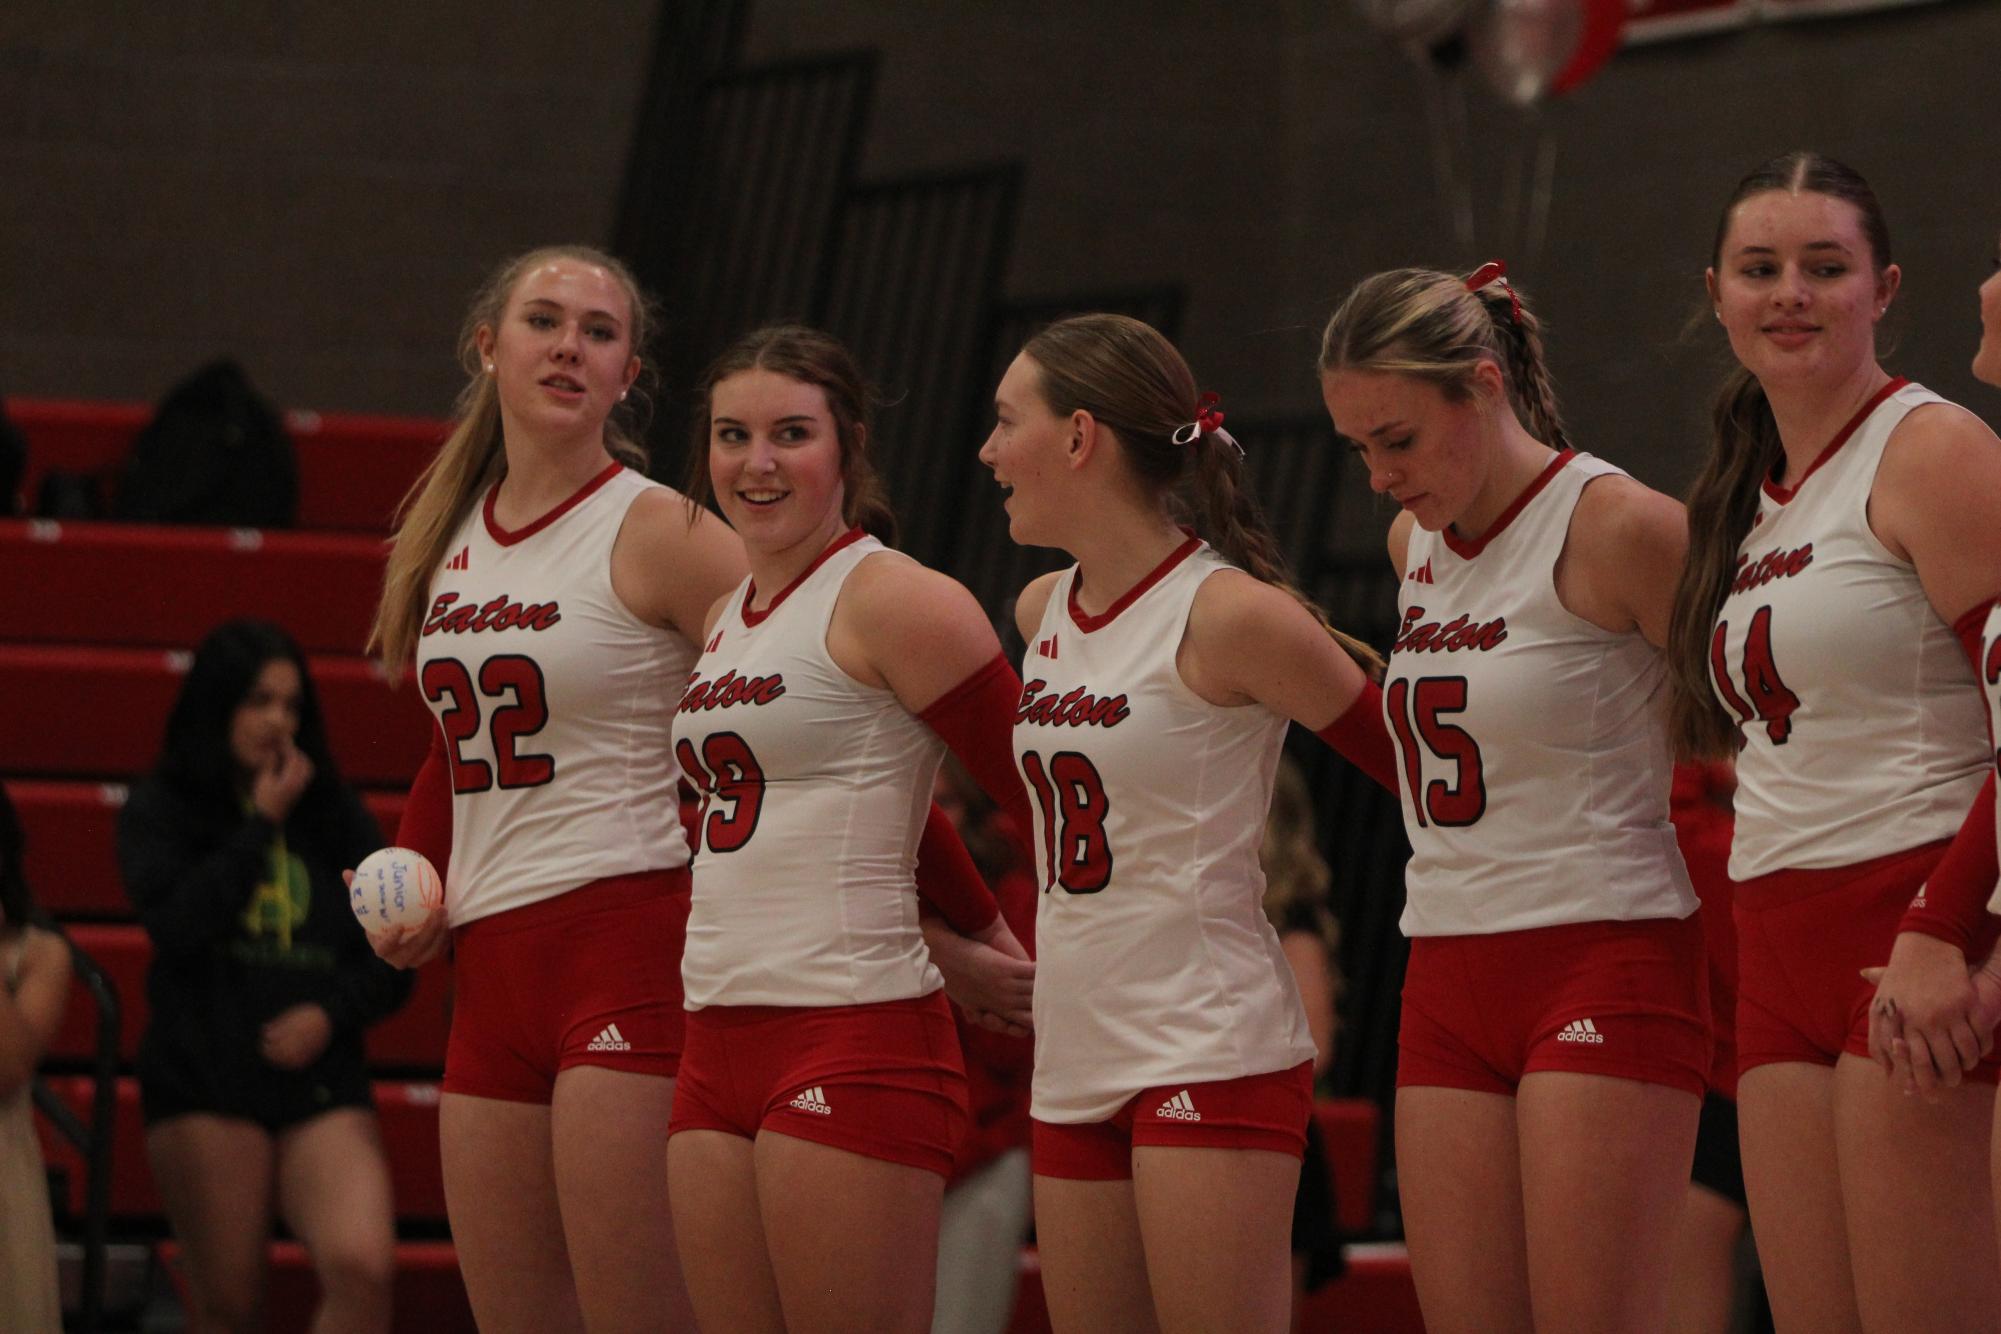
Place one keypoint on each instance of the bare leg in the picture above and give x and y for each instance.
(500, 1191)
(333, 1190)
(1703, 1297)
(1093, 1264)
(1459, 1175)
(1605, 1165)
(214, 1175)
(719, 1234)
(1204, 1277)
(1785, 1121)
(1920, 1211)
(610, 1134)
(853, 1240)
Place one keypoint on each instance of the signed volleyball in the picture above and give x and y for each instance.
(395, 887)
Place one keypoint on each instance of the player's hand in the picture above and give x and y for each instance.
(295, 1038)
(278, 786)
(993, 980)
(409, 946)
(1925, 1028)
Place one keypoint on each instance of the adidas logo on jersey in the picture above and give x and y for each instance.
(812, 1100)
(462, 561)
(1919, 901)
(1422, 574)
(1581, 1030)
(1046, 647)
(609, 1040)
(715, 643)
(1180, 1107)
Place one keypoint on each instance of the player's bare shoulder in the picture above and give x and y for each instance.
(1033, 603)
(1399, 540)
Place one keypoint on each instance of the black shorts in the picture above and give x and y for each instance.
(277, 1100)
(1719, 1166)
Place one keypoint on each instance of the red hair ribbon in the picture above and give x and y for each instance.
(1491, 272)
(1208, 421)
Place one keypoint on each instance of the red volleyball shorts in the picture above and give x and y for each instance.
(1267, 1111)
(1625, 999)
(884, 1080)
(1803, 938)
(589, 977)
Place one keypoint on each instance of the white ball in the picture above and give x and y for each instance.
(395, 887)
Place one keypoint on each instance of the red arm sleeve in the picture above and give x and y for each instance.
(948, 881)
(426, 825)
(1362, 737)
(976, 719)
(1953, 903)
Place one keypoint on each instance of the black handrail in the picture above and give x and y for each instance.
(93, 1140)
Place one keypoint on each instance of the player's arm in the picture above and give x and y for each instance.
(1622, 556)
(32, 1012)
(364, 989)
(673, 562)
(1250, 642)
(1934, 500)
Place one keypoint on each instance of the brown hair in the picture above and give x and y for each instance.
(472, 458)
(1744, 446)
(813, 357)
(1426, 324)
(1133, 381)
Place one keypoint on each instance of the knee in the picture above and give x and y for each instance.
(357, 1268)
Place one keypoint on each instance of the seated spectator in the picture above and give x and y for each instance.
(34, 984)
(1296, 880)
(251, 1072)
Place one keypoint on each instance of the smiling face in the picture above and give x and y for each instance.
(775, 459)
(268, 718)
(1797, 289)
(1028, 451)
(561, 354)
(1423, 449)
(1987, 361)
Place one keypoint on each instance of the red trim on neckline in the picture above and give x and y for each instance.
(1466, 550)
(583, 493)
(849, 538)
(1086, 622)
(1784, 494)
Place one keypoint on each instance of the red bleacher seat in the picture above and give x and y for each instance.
(72, 830)
(139, 584)
(414, 1037)
(1376, 1296)
(411, 1039)
(72, 860)
(430, 1294)
(1350, 1127)
(122, 950)
(409, 1115)
(101, 712)
(353, 468)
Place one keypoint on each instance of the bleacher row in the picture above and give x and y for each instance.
(96, 620)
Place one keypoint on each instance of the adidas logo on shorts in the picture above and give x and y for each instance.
(1581, 1030)
(812, 1100)
(609, 1040)
(1180, 1107)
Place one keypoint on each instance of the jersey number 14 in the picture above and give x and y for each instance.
(1764, 697)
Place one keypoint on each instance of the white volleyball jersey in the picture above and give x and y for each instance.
(1534, 760)
(815, 789)
(1861, 722)
(1155, 963)
(556, 703)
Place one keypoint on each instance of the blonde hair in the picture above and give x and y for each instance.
(1427, 325)
(1128, 376)
(472, 459)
